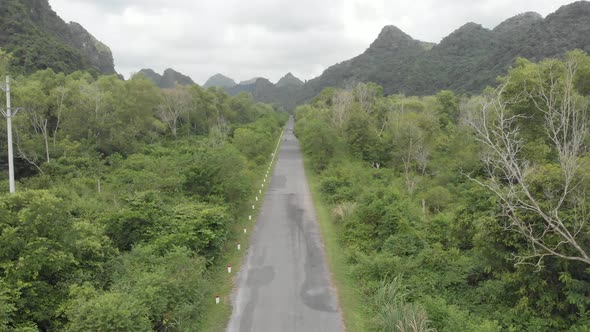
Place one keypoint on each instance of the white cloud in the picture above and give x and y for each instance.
(269, 38)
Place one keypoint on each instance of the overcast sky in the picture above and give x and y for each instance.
(247, 38)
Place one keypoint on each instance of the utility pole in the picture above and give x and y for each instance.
(8, 114)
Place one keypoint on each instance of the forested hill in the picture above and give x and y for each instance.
(39, 39)
(467, 60)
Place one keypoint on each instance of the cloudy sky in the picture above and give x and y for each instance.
(248, 38)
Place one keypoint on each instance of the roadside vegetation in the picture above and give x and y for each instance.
(127, 195)
(460, 213)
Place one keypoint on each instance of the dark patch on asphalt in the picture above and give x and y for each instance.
(257, 277)
(260, 276)
(315, 291)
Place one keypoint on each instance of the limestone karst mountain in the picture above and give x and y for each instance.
(38, 39)
(168, 80)
(219, 80)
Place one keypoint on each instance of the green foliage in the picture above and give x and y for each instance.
(318, 140)
(109, 312)
(38, 257)
(393, 314)
(167, 285)
(418, 214)
(117, 222)
(203, 228)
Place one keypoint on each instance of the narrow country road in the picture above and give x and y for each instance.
(284, 283)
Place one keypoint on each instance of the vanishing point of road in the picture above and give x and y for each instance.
(284, 284)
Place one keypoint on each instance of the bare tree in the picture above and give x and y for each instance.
(98, 114)
(219, 132)
(411, 143)
(366, 95)
(550, 232)
(39, 123)
(175, 104)
(341, 103)
(21, 154)
(60, 95)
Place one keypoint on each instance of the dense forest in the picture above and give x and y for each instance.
(126, 197)
(459, 213)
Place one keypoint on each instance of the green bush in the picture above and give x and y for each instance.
(109, 312)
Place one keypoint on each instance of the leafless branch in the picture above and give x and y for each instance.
(497, 130)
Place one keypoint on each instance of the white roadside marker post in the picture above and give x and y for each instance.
(245, 231)
(229, 269)
(239, 246)
(216, 299)
(250, 217)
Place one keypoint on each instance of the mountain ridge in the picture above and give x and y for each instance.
(466, 61)
(169, 79)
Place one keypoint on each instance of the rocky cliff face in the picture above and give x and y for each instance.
(96, 52)
(38, 39)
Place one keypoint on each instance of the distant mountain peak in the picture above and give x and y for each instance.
(391, 35)
(470, 26)
(220, 81)
(518, 21)
(392, 30)
(251, 81)
(169, 80)
(170, 71)
(469, 31)
(572, 11)
(289, 79)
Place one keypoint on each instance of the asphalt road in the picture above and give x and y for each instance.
(284, 283)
